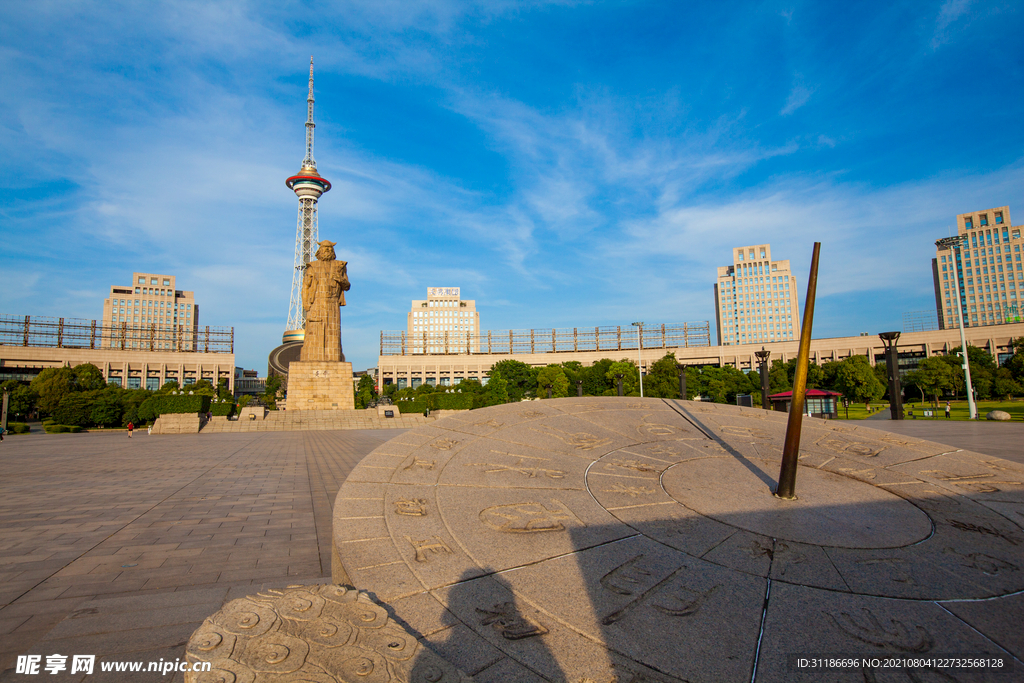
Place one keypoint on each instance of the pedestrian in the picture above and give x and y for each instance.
(130, 428)
(2, 430)
(149, 430)
(947, 410)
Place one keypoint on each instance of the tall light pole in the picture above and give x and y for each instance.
(762, 366)
(639, 358)
(953, 244)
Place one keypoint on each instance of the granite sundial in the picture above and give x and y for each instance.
(621, 539)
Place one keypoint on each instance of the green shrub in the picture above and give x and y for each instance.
(49, 421)
(411, 406)
(18, 428)
(222, 408)
(445, 401)
(75, 409)
(182, 403)
(62, 429)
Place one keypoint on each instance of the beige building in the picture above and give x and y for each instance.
(29, 345)
(411, 370)
(153, 315)
(444, 322)
(756, 299)
(990, 272)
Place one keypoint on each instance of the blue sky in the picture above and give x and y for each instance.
(565, 164)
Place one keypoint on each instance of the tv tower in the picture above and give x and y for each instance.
(308, 185)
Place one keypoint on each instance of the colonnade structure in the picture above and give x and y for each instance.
(396, 365)
(29, 345)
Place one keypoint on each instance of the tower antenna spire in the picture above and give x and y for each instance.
(308, 186)
(309, 161)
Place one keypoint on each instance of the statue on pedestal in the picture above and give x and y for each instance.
(323, 293)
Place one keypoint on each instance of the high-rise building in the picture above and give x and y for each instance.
(308, 186)
(151, 313)
(989, 271)
(756, 299)
(443, 323)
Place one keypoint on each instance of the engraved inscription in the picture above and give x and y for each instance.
(899, 566)
(414, 507)
(445, 444)
(893, 635)
(972, 482)
(655, 428)
(432, 545)
(663, 449)
(532, 414)
(746, 432)
(512, 625)
(634, 465)
(581, 441)
(421, 464)
(840, 445)
(631, 491)
(986, 564)
(668, 597)
(489, 423)
(522, 466)
(981, 529)
(683, 601)
(859, 474)
(526, 518)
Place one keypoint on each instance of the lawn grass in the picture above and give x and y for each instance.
(958, 410)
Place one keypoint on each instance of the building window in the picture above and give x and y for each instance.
(167, 283)
(983, 220)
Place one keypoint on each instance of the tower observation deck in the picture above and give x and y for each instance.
(307, 185)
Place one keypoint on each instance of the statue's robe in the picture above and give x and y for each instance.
(323, 292)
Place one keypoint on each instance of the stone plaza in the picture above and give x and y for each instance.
(584, 540)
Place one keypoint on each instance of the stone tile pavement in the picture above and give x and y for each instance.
(121, 548)
(1001, 439)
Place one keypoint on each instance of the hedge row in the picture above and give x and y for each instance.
(61, 429)
(17, 428)
(437, 401)
(223, 408)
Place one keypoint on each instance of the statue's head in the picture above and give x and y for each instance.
(326, 251)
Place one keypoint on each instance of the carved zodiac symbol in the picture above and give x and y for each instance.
(422, 464)
(527, 470)
(969, 482)
(986, 564)
(687, 605)
(532, 414)
(417, 507)
(631, 491)
(635, 465)
(506, 620)
(445, 444)
(863, 474)
(898, 565)
(489, 423)
(526, 518)
(839, 445)
(654, 428)
(745, 432)
(896, 636)
(662, 449)
(625, 573)
(582, 441)
(425, 546)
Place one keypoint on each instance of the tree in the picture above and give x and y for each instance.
(497, 388)
(203, 387)
(52, 385)
(1004, 384)
(270, 390)
(88, 377)
(223, 393)
(555, 376)
(630, 378)
(662, 380)
(364, 391)
(595, 378)
(932, 376)
(856, 380)
(75, 409)
(521, 378)
(169, 386)
(108, 409)
(778, 377)
(21, 398)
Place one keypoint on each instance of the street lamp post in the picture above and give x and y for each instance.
(762, 362)
(954, 244)
(579, 387)
(639, 359)
(892, 365)
(682, 380)
(548, 387)
(618, 379)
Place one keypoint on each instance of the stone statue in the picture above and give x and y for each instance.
(323, 292)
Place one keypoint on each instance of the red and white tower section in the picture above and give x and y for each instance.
(308, 185)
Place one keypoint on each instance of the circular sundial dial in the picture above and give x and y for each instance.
(596, 540)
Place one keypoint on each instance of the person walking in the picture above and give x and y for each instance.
(947, 410)
(130, 428)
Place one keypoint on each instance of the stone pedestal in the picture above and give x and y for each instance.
(320, 385)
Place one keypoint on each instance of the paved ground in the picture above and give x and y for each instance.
(121, 548)
(1001, 439)
(137, 541)
(607, 539)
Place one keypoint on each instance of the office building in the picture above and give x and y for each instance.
(151, 314)
(756, 299)
(444, 322)
(989, 270)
